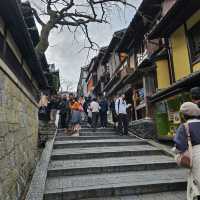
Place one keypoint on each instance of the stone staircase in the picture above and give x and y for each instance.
(102, 165)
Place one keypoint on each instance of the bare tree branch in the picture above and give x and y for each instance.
(39, 20)
(72, 13)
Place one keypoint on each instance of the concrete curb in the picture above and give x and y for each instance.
(37, 186)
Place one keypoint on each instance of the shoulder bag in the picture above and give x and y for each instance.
(185, 159)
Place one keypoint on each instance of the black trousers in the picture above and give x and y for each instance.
(90, 120)
(103, 118)
(95, 116)
(123, 124)
(63, 122)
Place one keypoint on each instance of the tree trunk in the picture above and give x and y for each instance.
(43, 44)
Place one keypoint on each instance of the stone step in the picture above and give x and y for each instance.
(63, 138)
(97, 143)
(98, 124)
(86, 125)
(110, 165)
(97, 133)
(114, 184)
(177, 195)
(98, 130)
(103, 152)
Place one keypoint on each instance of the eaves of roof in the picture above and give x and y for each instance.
(117, 36)
(176, 16)
(140, 24)
(18, 28)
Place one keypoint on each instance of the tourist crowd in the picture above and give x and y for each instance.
(92, 110)
(65, 112)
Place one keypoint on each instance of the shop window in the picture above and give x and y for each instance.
(194, 40)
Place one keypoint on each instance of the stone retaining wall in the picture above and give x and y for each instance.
(144, 128)
(18, 138)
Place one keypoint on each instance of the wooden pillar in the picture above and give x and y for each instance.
(149, 89)
(134, 102)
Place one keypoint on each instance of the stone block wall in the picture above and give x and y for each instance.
(144, 128)
(18, 138)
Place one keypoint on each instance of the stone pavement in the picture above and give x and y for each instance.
(103, 166)
(159, 196)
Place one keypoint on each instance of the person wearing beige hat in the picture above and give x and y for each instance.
(191, 114)
(190, 110)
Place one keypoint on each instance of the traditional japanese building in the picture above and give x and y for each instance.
(82, 84)
(95, 77)
(91, 78)
(163, 44)
(100, 71)
(138, 83)
(154, 62)
(177, 63)
(21, 81)
(113, 62)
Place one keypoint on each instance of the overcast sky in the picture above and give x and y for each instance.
(64, 51)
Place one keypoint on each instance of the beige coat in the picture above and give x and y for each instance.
(43, 101)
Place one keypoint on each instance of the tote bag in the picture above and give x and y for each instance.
(185, 159)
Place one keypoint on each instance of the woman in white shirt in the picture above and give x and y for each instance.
(94, 106)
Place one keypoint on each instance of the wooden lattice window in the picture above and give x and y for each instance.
(194, 42)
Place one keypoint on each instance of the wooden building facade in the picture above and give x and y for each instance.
(177, 63)
(155, 61)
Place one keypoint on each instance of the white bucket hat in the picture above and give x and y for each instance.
(190, 109)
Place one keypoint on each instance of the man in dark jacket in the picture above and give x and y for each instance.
(103, 112)
(65, 113)
(85, 108)
(53, 108)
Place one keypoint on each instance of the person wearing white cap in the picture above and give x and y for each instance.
(191, 114)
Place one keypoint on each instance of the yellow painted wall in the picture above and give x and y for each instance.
(163, 77)
(180, 53)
